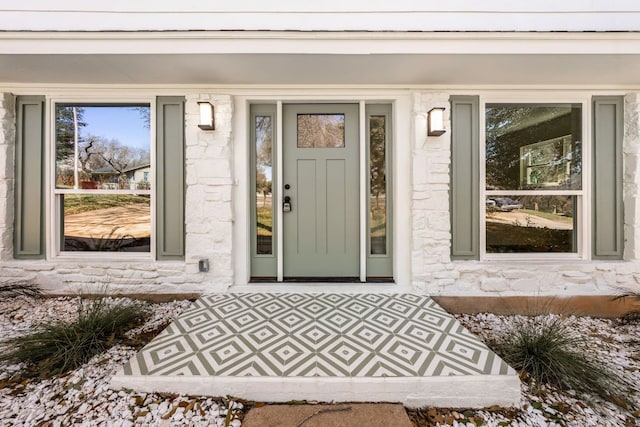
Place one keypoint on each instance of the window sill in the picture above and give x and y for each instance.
(103, 256)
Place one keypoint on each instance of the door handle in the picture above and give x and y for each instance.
(286, 206)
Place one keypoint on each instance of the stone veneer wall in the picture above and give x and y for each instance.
(208, 220)
(7, 145)
(434, 273)
(208, 207)
(209, 223)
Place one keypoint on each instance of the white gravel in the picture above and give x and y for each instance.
(82, 397)
(616, 345)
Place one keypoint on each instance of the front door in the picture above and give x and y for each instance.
(320, 191)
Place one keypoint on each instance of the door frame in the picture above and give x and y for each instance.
(400, 150)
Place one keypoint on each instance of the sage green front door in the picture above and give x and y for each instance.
(320, 191)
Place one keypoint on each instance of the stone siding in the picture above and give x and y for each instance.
(210, 220)
(7, 145)
(208, 207)
(208, 217)
(433, 271)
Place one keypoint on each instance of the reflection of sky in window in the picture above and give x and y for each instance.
(124, 124)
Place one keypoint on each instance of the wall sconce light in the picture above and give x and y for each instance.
(206, 116)
(435, 122)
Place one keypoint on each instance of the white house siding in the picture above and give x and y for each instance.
(328, 15)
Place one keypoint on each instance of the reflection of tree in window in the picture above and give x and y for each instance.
(67, 120)
(91, 164)
(264, 202)
(377, 184)
(532, 148)
(101, 159)
(512, 126)
(320, 130)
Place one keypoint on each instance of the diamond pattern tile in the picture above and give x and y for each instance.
(315, 335)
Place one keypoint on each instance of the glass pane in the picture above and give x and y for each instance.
(103, 147)
(106, 222)
(320, 130)
(530, 224)
(264, 180)
(378, 186)
(533, 146)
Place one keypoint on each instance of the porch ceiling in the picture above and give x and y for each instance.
(608, 70)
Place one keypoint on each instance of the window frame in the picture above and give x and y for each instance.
(583, 196)
(53, 212)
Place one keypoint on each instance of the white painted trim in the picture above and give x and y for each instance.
(402, 149)
(585, 213)
(364, 173)
(324, 42)
(279, 180)
(355, 15)
(101, 192)
(335, 6)
(241, 161)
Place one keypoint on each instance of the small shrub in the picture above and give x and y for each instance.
(14, 289)
(57, 347)
(547, 350)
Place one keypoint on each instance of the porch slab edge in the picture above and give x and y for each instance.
(452, 391)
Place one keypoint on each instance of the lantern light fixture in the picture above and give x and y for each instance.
(206, 116)
(435, 122)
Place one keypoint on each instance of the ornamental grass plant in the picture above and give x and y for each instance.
(548, 351)
(13, 289)
(634, 314)
(56, 347)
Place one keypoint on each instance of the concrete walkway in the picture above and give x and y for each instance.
(343, 415)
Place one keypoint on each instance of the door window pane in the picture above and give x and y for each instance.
(320, 130)
(378, 186)
(530, 224)
(264, 181)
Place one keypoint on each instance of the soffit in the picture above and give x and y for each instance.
(278, 69)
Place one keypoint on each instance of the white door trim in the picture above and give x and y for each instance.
(278, 208)
(364, 173)
(403, 137)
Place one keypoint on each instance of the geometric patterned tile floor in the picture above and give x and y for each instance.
(322, 346)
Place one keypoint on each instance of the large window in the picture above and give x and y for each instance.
(533, 190)
(103, 177)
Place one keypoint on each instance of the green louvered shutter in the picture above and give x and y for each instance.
(607, 207)
(170, 228)
(465, 217)
(28, 242)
